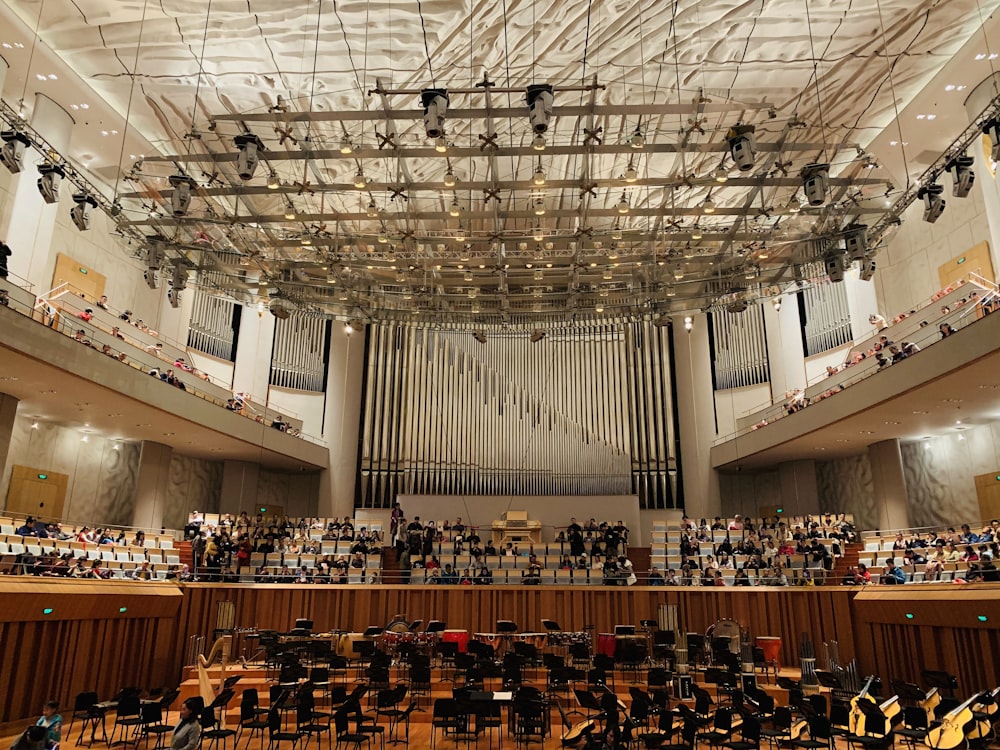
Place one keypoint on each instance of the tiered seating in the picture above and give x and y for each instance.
(879, 547)
(158, 550)
(666, 546)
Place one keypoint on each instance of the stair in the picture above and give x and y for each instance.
(847, 560)
(185, 554)
(390, 572)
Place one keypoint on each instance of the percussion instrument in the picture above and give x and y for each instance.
(564, 638)
(345, 644)
(728, 629)
(630, 648)
(391, 641)
(771, 646)
(535, 639)
(606, 644)
(461, 637)
(491, 639)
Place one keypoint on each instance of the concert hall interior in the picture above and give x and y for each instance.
(559, 346)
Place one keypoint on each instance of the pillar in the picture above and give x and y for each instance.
(8, 412)
(240, 487)
(785, 354)
(987, 185)
(343, 422)
(696, 415)
(889, 485)
(32, 221)
(151, 485)
(799, 495)
(252, 369)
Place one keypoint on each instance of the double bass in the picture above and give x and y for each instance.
(956, 726)
(856, 720)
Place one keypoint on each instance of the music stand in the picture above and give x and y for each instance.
(303, 624)
(649, 624)
(551, 625)
(829, 680)
(624, 629)
(506, 627)
(941, 680)
(374, 630)
(436, 626)
(415, 625)
(588, 703)
(907, 691)
(787, 683)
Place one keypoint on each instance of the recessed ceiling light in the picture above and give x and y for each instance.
(981, 56)
(53, 77)
(920, 411)
(890, 422)
(993, 56)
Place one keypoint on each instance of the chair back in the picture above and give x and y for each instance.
(85, 701)
(152, 713)
(273, 721)
(129, 705)
(819, 727)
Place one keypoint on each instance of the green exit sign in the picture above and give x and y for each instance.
(960, 261)
(46, 476)
(84, 271)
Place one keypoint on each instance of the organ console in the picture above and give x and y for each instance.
(515, 527)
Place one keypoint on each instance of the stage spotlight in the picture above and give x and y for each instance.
(539, 98)
(867, 269)
(180, 198)
(150, 277)
(280, 308)
(435, 104)
(81, 211)
(741, 146)
(835, 267)
(962, 175)
(12, 153)
(688, 323)
(856, 241)
(815, 182)
(992, 129)
(933, 202)
(537, 335)
(247, 160)
(49, 182)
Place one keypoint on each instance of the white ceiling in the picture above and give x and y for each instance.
(844, 69)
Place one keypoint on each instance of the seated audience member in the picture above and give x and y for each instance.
(33, 738)
(877, 320)
(946, 330)
(484, 577)
(742, 579)
(102, 302)
(893, 575)
(279, 424)
(51, 721)
(87, 315)
(655, 577)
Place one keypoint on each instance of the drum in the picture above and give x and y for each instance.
(729, 630)
(491, 639)
(631, 648)
(461, 637)
(606, 644)
(425, 642)
(535, 639)
(771, 646)
(345, 646)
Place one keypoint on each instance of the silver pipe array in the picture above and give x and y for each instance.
(299, 353)
(211, 328)
(828, 318)
(587, 414)
(739, 354)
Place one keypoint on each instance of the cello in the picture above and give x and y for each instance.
(856, 720)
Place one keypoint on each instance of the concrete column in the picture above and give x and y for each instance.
(253, 355)
(32, 221)
(240, 487)
(696, 415)
(889, 485)
(343, 422)
(784, 347)
(151, 485)
(8, 413)
(799, 495)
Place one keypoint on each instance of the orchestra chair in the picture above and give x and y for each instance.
(308, 723)
(344, 734)
(447, 717)
(488, 717)
(86, 709)
(721, 729)
(251, 717)
(153, 724)
(387, 704)
(914, 729)
(211, 729)
(664, 731)
(420, 682)
(820, 736)
(749, 736)
(780, 730)
(128, 718)
(591, 706)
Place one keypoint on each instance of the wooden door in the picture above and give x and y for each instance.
(36, 492)
(988, 492)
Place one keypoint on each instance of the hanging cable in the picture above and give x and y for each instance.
(892, 89)
(427, 49)
(128, 106)
(31, 57)
(819, 99)
(201, 68)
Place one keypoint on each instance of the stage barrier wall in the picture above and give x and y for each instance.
(86, 643)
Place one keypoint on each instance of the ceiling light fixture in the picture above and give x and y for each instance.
(539, 177)
(708, 206)
(360, 181)
(721, 175)
(346, 147)
(539, 207)
(538, 142)
(455, 209)
(637, 139)
(623, 206)
(449, 179)
(273, 183)
(372, 211)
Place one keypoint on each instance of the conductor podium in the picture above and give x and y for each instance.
(515, 528)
